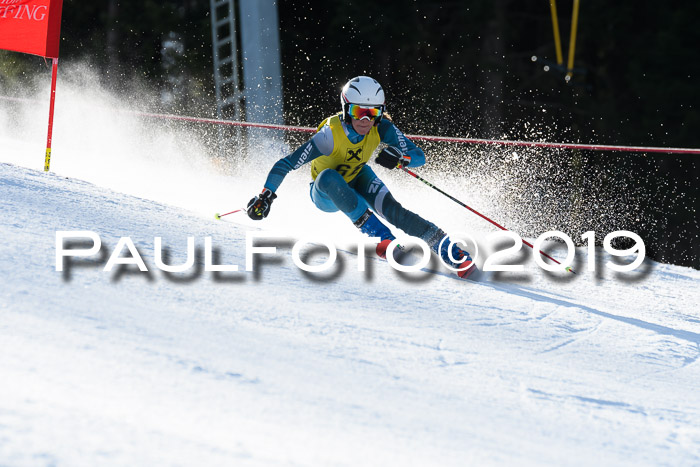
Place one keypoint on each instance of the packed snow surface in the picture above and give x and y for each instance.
(279, 367)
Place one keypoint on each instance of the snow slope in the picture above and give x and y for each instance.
(272, 367)
(278, 367)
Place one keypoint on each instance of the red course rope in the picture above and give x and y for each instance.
(446, 139)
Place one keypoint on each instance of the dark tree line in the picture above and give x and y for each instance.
(465, 68)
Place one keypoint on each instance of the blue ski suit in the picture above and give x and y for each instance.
(342, 180)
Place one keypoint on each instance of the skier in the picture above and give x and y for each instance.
(338, 154)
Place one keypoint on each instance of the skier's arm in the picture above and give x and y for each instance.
(304, 153)
(320, 144)
(392, 136)
(259, 207)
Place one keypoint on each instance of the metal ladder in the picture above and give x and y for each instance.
(229, 96)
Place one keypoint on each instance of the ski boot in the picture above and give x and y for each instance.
(463, 263)
(370, 225)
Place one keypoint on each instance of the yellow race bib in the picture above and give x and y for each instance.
(347, 158)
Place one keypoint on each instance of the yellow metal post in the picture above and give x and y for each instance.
(555, 27)
(572, 41)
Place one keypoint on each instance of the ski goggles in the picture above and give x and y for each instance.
(359, 112)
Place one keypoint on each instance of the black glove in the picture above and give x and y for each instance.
(392, 158)
(259, 207)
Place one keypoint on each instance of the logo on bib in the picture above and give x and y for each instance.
(353, 155)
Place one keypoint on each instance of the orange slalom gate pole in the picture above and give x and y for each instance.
(54, 73)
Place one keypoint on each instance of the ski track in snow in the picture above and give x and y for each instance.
(366, 368)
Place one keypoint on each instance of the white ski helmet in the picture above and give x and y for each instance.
(362, 90)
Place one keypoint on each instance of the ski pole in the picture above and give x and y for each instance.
(479, 214)
(219, 216)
